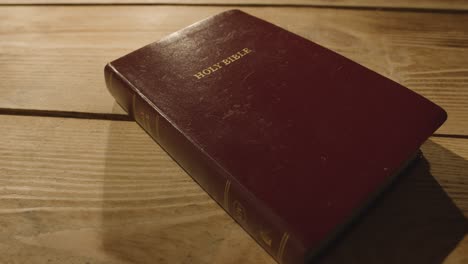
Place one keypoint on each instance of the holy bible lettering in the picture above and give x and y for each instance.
(222, 63)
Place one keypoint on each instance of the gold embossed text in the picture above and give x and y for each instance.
(225, 62)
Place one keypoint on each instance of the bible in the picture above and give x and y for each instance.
(292, 139)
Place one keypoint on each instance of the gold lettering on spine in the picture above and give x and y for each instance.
(227, 187)
(238, 211)
(266, 237)
(143, 117)
(281, 247)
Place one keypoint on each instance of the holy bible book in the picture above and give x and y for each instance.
(290, 138)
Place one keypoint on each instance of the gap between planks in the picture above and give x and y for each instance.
(64, 114)
(117, 117)
(419, 9)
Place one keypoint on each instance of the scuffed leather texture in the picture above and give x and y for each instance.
(308, 134)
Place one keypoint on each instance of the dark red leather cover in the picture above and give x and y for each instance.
(289, 137)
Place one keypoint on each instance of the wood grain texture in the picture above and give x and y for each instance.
(95, 191)
(52, 57)
(79, 191)
(404, 4)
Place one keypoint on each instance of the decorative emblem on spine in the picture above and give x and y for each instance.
(281, 247)
(147, 117)
(226, 194)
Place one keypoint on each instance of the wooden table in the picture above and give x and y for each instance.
(81, 183)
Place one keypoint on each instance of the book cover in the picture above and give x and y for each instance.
(290, 138)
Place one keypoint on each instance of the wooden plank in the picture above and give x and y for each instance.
(400, 4)
(53, 57)
(71, 193)
(79, 191)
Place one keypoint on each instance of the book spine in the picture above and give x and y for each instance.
(264, 226)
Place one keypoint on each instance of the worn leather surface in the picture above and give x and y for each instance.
(305, 134)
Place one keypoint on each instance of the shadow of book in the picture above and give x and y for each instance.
(154, 213)
(413, 221)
